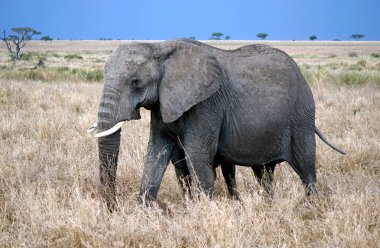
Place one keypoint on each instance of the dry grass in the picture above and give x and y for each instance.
(49, 172)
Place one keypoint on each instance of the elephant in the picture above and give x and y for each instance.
(250, 106)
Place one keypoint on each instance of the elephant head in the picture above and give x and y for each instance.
(173, 76)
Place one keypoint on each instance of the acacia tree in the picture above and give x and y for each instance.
(262, 36)
(357, 36)
(313, 37)
(46, 38)
(216, 36)
(19, 39)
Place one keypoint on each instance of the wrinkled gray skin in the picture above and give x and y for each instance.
(250, 106)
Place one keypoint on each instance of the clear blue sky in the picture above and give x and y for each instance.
(167, 19)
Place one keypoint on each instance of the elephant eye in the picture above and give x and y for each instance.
(135, 81)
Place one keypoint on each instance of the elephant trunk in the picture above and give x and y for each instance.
(108, 157)
(107, 112)
(108, 146)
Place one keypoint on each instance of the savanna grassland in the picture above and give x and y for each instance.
(49, 168)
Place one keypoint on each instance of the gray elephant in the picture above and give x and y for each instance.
(250, 106)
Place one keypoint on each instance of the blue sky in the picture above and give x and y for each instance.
(168, 19)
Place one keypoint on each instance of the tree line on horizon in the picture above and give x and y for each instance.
(18, 39)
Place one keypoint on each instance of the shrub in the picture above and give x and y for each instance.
(73, 56)
(375, 55)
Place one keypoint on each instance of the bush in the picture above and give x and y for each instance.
(73, 56)
(375, 55)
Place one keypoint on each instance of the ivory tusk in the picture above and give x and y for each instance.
(92, 128)
(110, 131)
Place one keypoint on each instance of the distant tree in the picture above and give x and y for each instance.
(46, 38)
(262, 36)
(192, 38)
(216, 36)
(357, 36)
(19, 39)
(227, 37)
(313, 37)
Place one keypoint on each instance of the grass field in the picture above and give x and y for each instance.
(49, 169)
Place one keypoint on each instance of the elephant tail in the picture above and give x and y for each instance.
(320, 135)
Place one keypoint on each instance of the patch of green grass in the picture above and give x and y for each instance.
(94, 75)
(304, 56)
(73, 56)
(62, 69)
(342, 74)
(56, 55)
(354, 77)
(360, 65)
(52, 74)
(27, 56)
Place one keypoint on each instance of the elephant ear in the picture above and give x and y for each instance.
(191, 75)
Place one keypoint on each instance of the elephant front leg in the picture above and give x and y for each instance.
(200, 152)
(229, 172)
(158, 156)
(201, 171)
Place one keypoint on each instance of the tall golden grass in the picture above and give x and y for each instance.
(49, 174)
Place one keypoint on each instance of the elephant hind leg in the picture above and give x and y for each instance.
(264, 175)
(303, 159)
